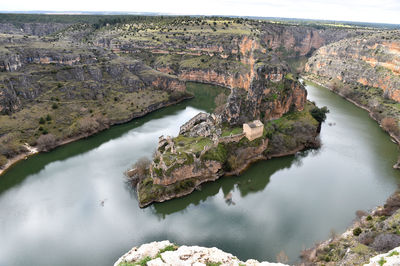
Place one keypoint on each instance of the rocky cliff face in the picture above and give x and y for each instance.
(372, 60)
(167, 253)
(37, 70)
(295, 41)
(272, 93)
(38, 29)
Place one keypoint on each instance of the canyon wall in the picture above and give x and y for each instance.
(370, 61)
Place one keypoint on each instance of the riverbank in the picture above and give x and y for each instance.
(372, 113)
(30, 151)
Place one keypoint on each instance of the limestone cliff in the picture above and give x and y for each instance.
(372, 60)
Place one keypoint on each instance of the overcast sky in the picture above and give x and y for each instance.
(385, 11)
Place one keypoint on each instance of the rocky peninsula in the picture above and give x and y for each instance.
(213, 145)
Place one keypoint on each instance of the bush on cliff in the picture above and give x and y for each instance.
(319, 113)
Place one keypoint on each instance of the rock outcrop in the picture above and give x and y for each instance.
(168, 254)
(39, 29)
(272, 93)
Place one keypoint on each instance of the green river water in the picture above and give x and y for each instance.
(51, 212)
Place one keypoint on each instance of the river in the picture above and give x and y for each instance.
(51, 211)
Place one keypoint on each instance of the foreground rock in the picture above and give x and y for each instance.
(390, 258)
(166, 253)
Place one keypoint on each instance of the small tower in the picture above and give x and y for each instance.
(253, 130)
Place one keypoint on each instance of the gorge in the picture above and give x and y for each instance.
(105, 73)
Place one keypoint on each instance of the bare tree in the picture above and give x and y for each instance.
(390, 124)
(139, 171)
(46, 142)
(282, 257)
(220, 102)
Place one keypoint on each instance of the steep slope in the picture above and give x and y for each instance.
(365, 70)
(372, 61)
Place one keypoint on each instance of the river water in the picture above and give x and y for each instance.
(51, 211)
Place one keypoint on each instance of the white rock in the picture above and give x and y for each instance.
(146, 250)
(185, 256)
(389, 257)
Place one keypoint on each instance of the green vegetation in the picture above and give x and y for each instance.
(168, 248)
(231, 131)
(361, 249)
(149, 192)
(357, 231)
(218, 153)
(382, 261)
(319, 113)
(142, 262)
(3, 160)
(394, 253)
(211, 263)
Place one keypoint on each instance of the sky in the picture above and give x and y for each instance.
(383, 11)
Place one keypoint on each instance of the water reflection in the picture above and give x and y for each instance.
(253, 180)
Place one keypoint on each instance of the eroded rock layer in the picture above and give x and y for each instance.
(372, 60)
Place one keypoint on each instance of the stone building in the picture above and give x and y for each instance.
(253, 130)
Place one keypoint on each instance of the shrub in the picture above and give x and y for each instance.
(46, 142)
(54, 106)
(48, 118)
(220, 102)
(357, 231)
(319, 114)
(42, 121)
(139, 171)
(390, 124)
(3, 160)
(88, 125)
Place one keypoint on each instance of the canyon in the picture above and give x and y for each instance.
(70, 80)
